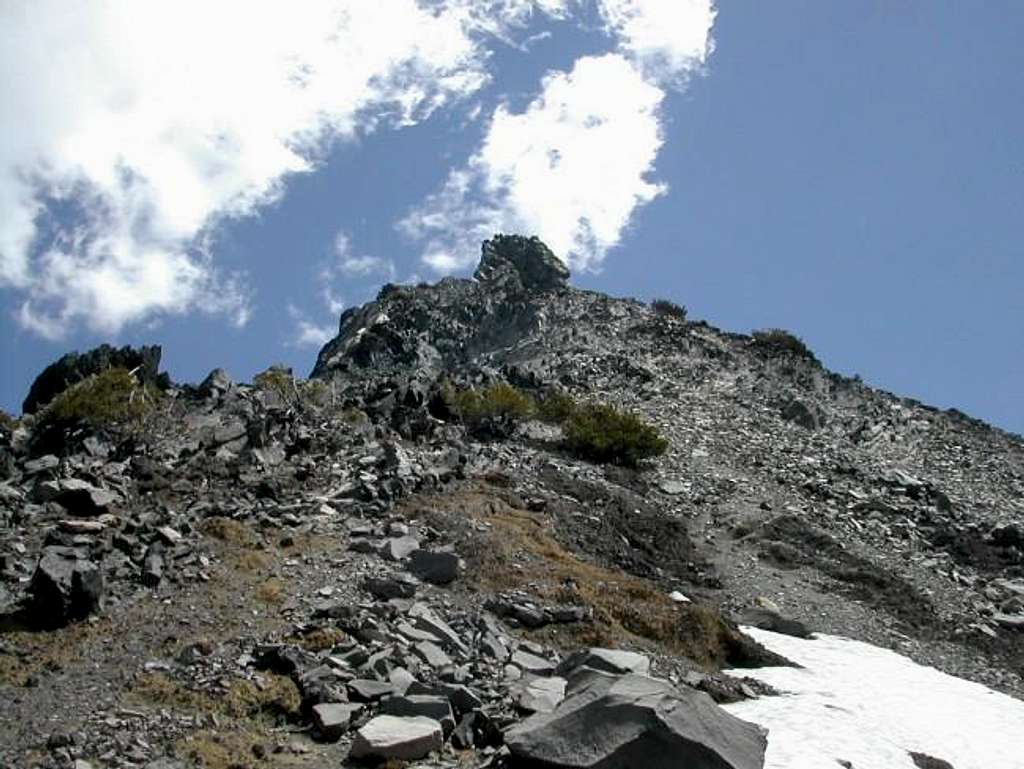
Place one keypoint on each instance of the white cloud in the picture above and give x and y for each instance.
(669, 39)
(159, 120)
(129, 131)
(358, 265)
(575, 165)
(571, 168)
(306, 332)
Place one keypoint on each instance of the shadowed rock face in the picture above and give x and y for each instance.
(512, 261)
(74, 367)
(427, 328)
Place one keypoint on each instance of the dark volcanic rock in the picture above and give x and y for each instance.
(74, 367)
(515, 263)
(924, 761)
(65, 586)
(634, 720)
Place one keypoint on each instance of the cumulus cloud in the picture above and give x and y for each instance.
(576, 164)
(358, 265)
(571, 168)
(131, 129)
(306, 332)
(668, 40)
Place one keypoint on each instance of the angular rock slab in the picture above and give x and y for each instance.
(333, 719)
(607, 661)
(623, 722)
(64, 587)
(405, 738)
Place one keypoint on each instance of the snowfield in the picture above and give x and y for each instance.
(869, 706)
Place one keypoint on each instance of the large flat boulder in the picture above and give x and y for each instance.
(407, 738)
(622, 722)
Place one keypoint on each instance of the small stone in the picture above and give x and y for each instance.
(365, 690)
(397, 548)
(169, 535)
(333, 719)
(432, 706)
(432, 654)
(612, 661)
(539, 695)
(532, 663)
(394, 586)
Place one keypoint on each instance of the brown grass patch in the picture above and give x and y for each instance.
(628, 610)
(320, 639)
(223, 750)
(271, 592)
(270, 695)
(47, 651)
(230, 531)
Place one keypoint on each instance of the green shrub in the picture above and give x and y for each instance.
(110, 397)
(668, 308)
(778, 340)
(603, 433)
(556, 407)
(278, 380)
(7, 422)
(500, 403)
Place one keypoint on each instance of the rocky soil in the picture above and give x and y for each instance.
(315, 573)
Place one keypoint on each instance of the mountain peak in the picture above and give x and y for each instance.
(510, 261)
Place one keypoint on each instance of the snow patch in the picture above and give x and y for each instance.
(859, 703)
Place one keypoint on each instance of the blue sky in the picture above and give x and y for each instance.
(853, 172)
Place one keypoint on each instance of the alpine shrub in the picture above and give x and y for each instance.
(112, 396)
(556, 407)
(778, 340)
(668, 308)
(500, 405)
(605, 434)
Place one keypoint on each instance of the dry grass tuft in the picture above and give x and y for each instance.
(271, 592)
(628, 610)
(222, 750)
(268, 696)
(231, 532)
(320, 639)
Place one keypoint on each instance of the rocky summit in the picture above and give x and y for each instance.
(505, 522)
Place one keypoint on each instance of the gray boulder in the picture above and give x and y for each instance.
(768, 619)
(65, 586)
(437, 568)
(407, 738)
(432, 706)
(619, 722)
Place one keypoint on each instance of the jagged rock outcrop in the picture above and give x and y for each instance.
(512, 264)
(74, 367)
(429, 328)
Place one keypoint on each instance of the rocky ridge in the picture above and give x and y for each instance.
(336, 569)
